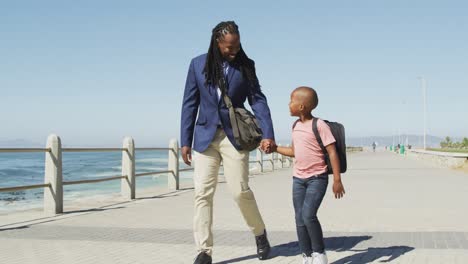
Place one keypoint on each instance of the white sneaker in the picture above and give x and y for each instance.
(306, 259)
(319, 258)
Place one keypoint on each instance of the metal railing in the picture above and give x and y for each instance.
(24, 187)
(24, 150)
(53, 178)
(12, 150)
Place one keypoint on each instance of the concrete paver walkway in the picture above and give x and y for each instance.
(395, 209)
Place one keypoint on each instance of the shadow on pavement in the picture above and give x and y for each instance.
(239, 259)
(372, 254)
(331, 243)
(92, 210)
(344, 243)
(36, 221)
(292, 248)
(165, 195)
(14, 228)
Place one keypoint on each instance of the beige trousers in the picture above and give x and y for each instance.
(236, 172)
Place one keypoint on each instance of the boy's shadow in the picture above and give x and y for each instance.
(372, 254)
(292, 248)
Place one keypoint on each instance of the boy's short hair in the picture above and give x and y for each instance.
(310, 95)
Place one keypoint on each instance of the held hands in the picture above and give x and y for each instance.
(268, 146)
(338, 189)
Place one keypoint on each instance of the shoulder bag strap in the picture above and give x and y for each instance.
(232, 114)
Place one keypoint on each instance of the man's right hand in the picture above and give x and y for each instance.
(187, 155)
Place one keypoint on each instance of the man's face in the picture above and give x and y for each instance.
(229, 45)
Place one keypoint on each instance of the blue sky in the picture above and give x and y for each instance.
(96, 71)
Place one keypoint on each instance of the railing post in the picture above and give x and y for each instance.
(280, 158)
(288, 159)
(128, 168)
(272, 159)
(173, 165)
(53, 196)
(260, 160)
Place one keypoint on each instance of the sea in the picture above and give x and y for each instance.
(17, 169)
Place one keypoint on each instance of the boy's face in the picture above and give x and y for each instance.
(295, 105)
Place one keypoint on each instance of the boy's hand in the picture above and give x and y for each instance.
(273, 147)
(338, 189)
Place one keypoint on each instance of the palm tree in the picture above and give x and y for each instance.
(447, 143)
(465, 142)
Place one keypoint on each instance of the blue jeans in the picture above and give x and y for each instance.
(307, 197)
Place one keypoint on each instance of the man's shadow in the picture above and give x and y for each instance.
(292, 248)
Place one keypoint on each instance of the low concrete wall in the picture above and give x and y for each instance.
(354, 149)
(442, 159)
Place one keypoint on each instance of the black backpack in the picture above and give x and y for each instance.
(338, 133)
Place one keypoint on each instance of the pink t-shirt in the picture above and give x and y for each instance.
(309, 160)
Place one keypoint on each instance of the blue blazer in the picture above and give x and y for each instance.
(198, 98)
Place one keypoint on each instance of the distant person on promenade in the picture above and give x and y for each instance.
(310, 178)
(374, 145)
(212, 138)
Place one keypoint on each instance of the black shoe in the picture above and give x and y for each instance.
(203, 258)
(263, 246)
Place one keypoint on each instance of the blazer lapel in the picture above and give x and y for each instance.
(217, 98)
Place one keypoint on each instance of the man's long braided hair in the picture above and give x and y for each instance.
(214, 61)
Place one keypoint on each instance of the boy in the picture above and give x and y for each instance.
(310, 179)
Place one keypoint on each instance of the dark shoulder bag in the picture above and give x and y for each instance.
(246, 130)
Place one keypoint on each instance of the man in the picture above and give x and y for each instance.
(212, 135)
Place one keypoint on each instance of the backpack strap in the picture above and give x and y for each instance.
(295, 123)
(317, 135)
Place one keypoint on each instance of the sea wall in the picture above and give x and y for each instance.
(442, 159)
